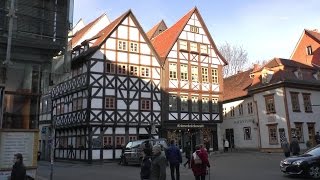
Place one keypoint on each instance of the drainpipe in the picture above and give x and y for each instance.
(287, 113)
(257, 116)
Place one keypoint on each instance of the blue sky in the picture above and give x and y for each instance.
(265, 29)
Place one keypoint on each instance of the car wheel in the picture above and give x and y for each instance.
(314, 171)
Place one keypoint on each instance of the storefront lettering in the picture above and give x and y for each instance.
(244, 121)
(190, 125)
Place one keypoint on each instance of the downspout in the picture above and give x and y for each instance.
(287, 113)
(259, 132)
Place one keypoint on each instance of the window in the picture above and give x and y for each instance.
(132, 138)
(273, 136)
(194, 73)
(173, 102)
(215, 105)
(214, 76)
(134, 71)
(107, 142)
(299, 132)
(203, 49)
(195, 104)
(184, 103)
(240, 108)
(184, 72)
(183, 45)
(80, 141)
(110, 68)
(225, 112)
(145, 104)
(270, 107)
(204, 74)
(295, 101)
(194, 29)
(247, 133)
(134, 47)
(309, 50)
(145, 72)
(110, 103)
(122, 45)
(122, 69)
(232, 111)
(119, 141)
(205, 104)
(77, 103)
(193, 47)
(250, 109)
(173, 71)
(307, 102)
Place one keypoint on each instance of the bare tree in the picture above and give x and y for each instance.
(236, 56)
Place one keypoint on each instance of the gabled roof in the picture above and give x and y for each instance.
(236, 86)
(314, 34)
(154, 29)
(83, 31)
(164, 42)
(106, 32)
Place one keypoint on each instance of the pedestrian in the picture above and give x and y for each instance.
(199, 163)
(317, 138)
(188, 155)
(158, 164)
(174, 157)
(145, 165)
(18, 169)
(285, 147)
(122, 157)
(226, 145)
(294, 146)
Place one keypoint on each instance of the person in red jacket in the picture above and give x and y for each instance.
(199, 163)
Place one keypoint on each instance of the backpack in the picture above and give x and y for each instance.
(196, 159)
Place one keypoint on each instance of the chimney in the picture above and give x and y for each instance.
(315, 30)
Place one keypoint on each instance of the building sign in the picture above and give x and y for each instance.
(243, 121)
(11, 143)
(190, 125)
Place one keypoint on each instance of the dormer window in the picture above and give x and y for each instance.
(309, 50)
(298, 74)
(266, 76)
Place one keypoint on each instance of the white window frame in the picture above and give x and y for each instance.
(173, 71)
(194, 29)
(194, 73)
(134, 70)
(184, 103)
(110, 102)
(214, 74)
(134, 47)
(193, 46)
(122, 45)
(184, 72)
(205, 104)
(144, 71)
(215, 105)
(203, 48)
(183, 45)
(122, 69)
(195, 103)
(205, 73)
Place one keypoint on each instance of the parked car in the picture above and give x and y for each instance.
(307, 164)
(133, 150)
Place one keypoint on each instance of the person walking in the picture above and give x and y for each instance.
(145, 165)
(294, 146)
(158, 164)
(199, 163)
(317, 138)
(18, 169)
(188, 155)
(174, 157)
(226, 145)
(285, 147)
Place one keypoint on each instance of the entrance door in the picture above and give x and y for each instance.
(230, 137)
(311, 133)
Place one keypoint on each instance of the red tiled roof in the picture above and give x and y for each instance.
(237, 85)
(287, 73)
(83, 31)
(314, 34)
(153, 30)
(164, 42)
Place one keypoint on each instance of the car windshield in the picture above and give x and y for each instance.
(314, 151)
(133, 144)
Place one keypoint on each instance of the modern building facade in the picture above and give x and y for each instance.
(114, 95)
(191, 81)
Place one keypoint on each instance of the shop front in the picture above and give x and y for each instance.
(192, 134)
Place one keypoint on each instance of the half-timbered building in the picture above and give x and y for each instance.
(191, 81)
(113, 97)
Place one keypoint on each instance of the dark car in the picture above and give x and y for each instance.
(307, 164)
(133, 150)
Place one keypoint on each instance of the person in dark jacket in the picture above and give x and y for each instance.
(199, 163)
(158, 164)
(188, 155)
(174, 157)
(145, 165)
(285, 147)
(18, 169)
(294, 146)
